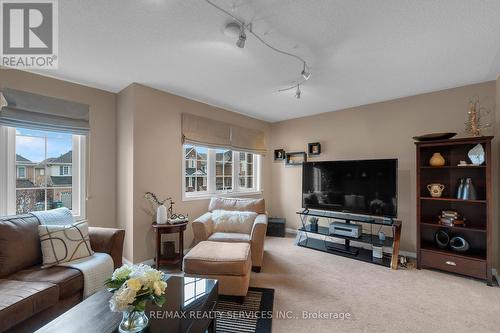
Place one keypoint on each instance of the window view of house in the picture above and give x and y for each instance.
(223, 170)
(234, 171)
(44, 170)
(196, 159)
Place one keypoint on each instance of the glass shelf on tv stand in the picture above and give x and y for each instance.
(346, 249)
(348, 217)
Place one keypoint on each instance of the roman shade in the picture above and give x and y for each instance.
(23, 109)
(204, 131)
(207, 132)
(246, 139)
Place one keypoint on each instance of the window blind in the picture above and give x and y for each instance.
(23, 109)
(208, 132)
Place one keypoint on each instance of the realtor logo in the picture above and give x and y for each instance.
(29, 34)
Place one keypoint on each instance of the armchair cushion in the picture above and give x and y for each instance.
(230, 237)
(243, 205)
(233, 221)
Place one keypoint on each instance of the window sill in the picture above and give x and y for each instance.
(223, 195)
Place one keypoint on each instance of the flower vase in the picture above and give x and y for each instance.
(161, 214)
(133, 322)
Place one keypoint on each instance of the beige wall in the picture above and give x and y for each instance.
(157, 156)
(125, 160)
(101, 204)
(381, 130)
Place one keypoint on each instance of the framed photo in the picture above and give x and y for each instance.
(279, 155)
(295, 158)
(314, 148)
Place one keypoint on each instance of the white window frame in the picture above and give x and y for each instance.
(8, 173)
(211, 185)
(18, 168)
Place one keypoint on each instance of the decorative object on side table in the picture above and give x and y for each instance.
(314, 148)
(476, 154)
(435, 190)
(158, 210)
(314, 223)
(132, 287)
(175, 218)
(297, 158)
(434, 136)
(279, 154)
(437, 160)
(475, 114)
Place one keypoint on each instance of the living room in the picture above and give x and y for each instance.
(205, 139)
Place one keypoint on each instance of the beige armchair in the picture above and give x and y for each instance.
(203, 227)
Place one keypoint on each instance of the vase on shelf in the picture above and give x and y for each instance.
(133, 321)
(469, 191)
(437, 160)
(460, 189)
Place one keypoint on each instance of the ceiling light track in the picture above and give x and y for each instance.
(305, 73)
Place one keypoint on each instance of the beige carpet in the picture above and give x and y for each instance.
(379, 299)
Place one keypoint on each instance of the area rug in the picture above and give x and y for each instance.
(254, 315)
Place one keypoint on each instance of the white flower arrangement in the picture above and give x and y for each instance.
(133, 285)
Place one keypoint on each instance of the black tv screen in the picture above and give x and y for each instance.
(367, 187)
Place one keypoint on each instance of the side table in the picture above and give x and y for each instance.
(169, 229)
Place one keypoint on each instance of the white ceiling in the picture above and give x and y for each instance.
(359, 51)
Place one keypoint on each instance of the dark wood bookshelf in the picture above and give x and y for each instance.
(477, 261)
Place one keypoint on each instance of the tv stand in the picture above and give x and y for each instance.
(346, 249)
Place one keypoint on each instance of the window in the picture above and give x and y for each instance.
(21, 172)
(63, 170)
(209, 171)
(49, 171)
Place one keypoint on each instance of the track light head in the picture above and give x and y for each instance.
(298, 92)
(306, 74)
(242, 38)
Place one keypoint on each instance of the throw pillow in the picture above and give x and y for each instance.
(233, 221)
(64, 243)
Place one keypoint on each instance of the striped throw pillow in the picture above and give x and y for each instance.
(64, 243)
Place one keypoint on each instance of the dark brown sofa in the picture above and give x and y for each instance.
(30, 296)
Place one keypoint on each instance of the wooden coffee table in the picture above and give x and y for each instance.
(192, 299)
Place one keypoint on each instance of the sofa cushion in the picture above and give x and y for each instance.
(69, 280)
(21, 300)
(246, 205)
(233, 221)
(64, 243)
(232, 237)
(19, 243)
(217, 258)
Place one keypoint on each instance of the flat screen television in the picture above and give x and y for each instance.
(366, 187)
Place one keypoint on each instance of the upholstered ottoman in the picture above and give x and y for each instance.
(230, 263)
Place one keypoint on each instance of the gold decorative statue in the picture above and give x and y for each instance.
(474, 125)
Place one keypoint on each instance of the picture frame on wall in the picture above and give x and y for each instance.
(296, 158)
(279, 154)
(314, 148)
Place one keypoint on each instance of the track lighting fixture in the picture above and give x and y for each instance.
(306, 74)
(242, 38)
(298, 92)
(231, 29)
